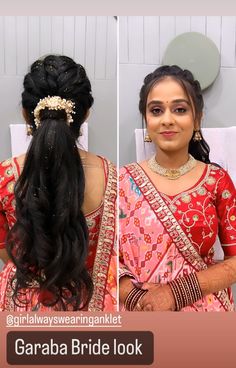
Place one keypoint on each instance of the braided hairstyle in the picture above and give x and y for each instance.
(199, 149)
(49, 241)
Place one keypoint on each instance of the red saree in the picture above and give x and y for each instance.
(101, 261)
(164, 237)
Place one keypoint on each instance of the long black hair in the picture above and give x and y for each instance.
(198, 149)
(49, 241)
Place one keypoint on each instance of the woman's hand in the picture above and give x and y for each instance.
(158, 298)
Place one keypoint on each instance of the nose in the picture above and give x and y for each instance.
(167, 118)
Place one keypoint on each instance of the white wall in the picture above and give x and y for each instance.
(90, 40)
(143, 41)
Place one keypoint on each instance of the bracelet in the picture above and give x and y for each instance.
(133, 298)
(186, 290)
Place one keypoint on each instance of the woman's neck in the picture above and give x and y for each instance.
(172, 160)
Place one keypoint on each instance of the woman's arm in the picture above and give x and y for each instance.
(218, 277)
(211, 280)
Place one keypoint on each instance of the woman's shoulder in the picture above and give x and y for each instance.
(96, 165)
(221, 177)
(92, 160)
(217, 170)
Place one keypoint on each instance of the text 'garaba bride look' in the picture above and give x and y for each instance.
(173, 206)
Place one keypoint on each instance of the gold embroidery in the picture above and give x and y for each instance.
(186, 198)
(173, 208)
(8, 172)
(230, 218)
(6, 162)
(201, 191)
(215, 168)
(105, 242)
(226, 194)
(10, 187)
(211, 180)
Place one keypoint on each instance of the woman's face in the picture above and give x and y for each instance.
(169, 116)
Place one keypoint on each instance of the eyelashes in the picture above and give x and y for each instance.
(156, 111)
(181, 110)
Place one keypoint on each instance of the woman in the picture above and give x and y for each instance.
(57, 203)
(173, 206)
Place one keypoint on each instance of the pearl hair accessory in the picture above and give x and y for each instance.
(54, 103)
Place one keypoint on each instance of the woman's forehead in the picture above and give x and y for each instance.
(168, 89)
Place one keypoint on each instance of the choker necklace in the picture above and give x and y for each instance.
(171, 174)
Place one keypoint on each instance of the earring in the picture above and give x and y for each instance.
(147, 138)
(197, 136)
(29, 129)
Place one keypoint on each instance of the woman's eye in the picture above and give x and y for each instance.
(180, 110)
(156, 111)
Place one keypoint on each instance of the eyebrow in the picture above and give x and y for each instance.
(157, 102)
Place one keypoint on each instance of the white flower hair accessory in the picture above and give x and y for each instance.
(54, 103)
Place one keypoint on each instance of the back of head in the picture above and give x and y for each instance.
(49, 241)
(57, 76)
(199, 149)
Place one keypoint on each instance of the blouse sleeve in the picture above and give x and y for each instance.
(226, 210)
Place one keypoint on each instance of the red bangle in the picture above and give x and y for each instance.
(186, 290)
(133, 298)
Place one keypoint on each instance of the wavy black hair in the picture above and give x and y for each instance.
(198, 149)
(49, 241)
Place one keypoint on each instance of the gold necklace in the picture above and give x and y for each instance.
(171, 174)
